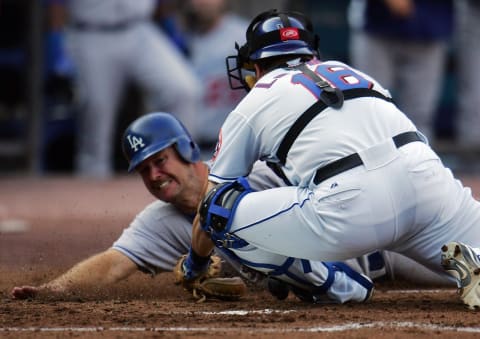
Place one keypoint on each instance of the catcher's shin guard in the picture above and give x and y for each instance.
(343, 284)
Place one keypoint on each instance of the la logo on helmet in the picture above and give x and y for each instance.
(135, 142)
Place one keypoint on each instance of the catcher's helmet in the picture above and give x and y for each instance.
(272, 33)
(154, 132)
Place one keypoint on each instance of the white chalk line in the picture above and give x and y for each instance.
(243, 312)
(335, 328)
(422, 291)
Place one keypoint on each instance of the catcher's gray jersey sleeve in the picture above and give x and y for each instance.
(156, 238)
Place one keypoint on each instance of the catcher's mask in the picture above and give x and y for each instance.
(154, 132)
(271, 33)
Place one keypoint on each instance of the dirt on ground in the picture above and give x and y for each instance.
(49, 224)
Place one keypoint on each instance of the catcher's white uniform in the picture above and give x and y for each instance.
(400, 199)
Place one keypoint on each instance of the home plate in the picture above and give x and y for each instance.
(14, 226)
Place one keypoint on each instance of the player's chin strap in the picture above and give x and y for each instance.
(217, 210)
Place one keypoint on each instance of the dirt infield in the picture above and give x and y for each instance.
(48, 225)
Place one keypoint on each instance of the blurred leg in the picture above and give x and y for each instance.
(100, 80)
(468, 63)
(168, 78)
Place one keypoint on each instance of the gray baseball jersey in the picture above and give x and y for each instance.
(156, 238)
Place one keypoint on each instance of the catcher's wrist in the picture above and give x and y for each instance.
(195, 264)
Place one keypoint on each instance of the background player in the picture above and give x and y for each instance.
(400, 41)
(208, 24)
(113, 43)
(362, 178)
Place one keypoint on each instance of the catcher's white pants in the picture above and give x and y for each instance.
(403, 200)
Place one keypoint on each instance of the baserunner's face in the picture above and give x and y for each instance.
(167, 176)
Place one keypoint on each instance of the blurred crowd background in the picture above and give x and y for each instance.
(74, 73)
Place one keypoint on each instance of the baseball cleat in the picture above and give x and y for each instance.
(460, 261)
(370, 292)
(279, 289)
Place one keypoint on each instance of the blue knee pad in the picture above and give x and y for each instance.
(217, 210)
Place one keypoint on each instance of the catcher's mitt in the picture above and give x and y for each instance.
(209, 284)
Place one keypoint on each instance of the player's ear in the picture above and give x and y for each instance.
(258, 71)
(250, 80)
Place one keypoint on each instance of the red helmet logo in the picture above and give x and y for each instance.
(289, 33)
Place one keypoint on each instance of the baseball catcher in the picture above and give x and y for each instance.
(204, 281)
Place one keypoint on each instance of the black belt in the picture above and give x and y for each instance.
(354, 160)
(113, 27)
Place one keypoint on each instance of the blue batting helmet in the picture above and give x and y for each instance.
(154, 132)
